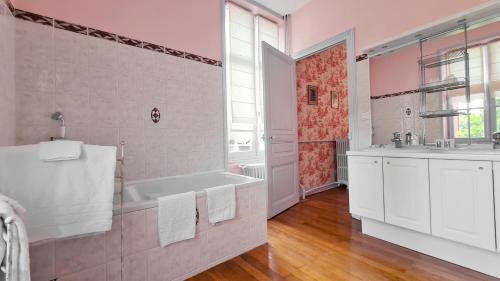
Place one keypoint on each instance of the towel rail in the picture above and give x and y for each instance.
(121, 177)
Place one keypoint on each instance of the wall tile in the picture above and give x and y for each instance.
(42, 263)
(104, 136)
(113, 240)
(75, 109)
(33, 107)
(90, 249)
(137, 235)
(135, 267)
(155, 265)
(94, 274)
(103, 112)
(114, 270)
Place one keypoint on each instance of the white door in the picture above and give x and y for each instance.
(280, 103)
(406, 193)
(366, 187)
(462, 202)
(496, 174)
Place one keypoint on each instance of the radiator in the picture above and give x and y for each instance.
(255, 170)
(341, 149)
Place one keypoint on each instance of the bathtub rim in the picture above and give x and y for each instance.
(149, 204)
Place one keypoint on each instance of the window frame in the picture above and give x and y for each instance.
(489, 106)
(257, 152)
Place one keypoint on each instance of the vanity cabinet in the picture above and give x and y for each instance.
(462, 207)
(496, 174)
(406, 193)
(366, 187)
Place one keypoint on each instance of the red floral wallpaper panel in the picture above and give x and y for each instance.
(320, 125)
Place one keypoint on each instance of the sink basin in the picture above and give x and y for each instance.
(464, 149)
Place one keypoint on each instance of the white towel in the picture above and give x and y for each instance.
(62, 198)
(60, 150)
(176, 217)
(16, 262)
(221, 201)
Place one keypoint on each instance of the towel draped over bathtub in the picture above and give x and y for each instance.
(176, 217)
(62, 198)
(221, 203)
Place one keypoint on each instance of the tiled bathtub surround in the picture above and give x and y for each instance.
(388, 117)
(7, 85)
(97, 257)
(36, 18)
(107, 90)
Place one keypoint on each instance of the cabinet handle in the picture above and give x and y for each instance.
(481, 168)
(375, 161)
(388, 162)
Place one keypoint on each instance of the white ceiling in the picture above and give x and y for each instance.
(283, 7)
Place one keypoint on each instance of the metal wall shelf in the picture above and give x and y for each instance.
(444, 85)
(442, 113)
(432, 61)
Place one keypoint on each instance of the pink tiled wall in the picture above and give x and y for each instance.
(107, 90)
(7, 86)
(97, 257)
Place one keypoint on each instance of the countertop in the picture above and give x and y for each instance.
(477, 152)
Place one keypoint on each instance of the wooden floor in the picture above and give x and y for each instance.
(318, 240)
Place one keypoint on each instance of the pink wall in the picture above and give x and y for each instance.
(398, 71)
(188, 25)
(373, 21)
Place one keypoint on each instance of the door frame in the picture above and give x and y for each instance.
(348, 38)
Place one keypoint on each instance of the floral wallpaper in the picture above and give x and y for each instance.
(320, 125)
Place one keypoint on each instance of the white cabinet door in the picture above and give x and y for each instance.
(496, 173)
(462, 202)
(406, 193)
(366, 187)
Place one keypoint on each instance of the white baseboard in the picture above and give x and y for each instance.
(484, 261)
(321, 188)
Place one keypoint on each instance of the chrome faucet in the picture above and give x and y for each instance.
(495, 138)
(396, 139)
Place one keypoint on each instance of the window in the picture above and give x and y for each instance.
(244, 34)
(484, 68)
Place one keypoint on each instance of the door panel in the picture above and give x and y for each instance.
(366, 187)
(462, 202)
(280, 129)
(406, 193)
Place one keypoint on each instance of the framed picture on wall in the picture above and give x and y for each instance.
(335, 99)
(312, 95)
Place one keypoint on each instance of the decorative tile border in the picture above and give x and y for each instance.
(395, 94)
(36, 18)
(71, 27)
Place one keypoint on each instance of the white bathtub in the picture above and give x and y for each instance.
(143, 194)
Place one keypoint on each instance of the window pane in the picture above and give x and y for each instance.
(457, 100)
(241, 141)
(498, 119)
(476, 125)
